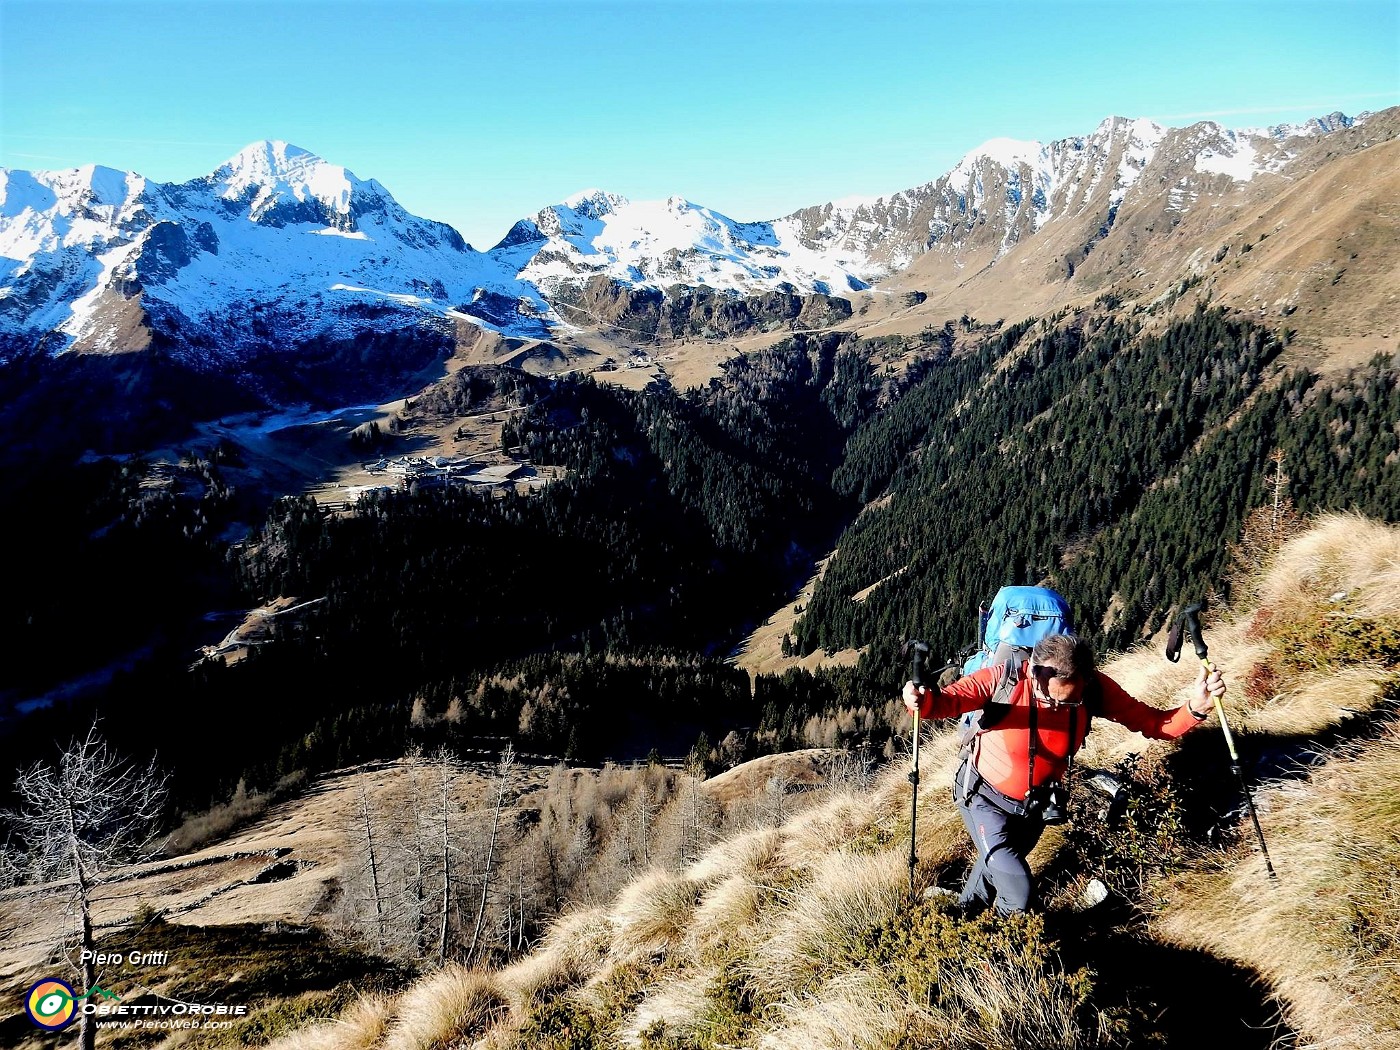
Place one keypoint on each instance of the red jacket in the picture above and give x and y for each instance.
(1002, 753)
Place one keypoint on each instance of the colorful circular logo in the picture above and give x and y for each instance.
(51, 1004)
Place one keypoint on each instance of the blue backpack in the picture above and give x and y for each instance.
(1017, 619)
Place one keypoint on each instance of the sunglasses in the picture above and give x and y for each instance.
(1046, 671)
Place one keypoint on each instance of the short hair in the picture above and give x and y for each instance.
(1066, 652)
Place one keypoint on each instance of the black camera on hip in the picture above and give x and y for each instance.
(1049, 802)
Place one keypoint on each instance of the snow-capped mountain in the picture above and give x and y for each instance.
(275, 248)
(1005, 192)
(657, 244)
(999, 195)
(284, 184)
(280, 258)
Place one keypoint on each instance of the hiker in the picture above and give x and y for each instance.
(1009, 784)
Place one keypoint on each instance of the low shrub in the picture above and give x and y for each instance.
(1337, 640)
(586, 1018)
(1135, 849)
(989, 980)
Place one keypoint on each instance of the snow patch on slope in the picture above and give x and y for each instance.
(662, 243)
(1237, 158)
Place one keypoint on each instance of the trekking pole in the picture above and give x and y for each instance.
(1189, 619)
(917, 677)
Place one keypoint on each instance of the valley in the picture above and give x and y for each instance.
(654, 498)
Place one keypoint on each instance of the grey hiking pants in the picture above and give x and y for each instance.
(1004, 840)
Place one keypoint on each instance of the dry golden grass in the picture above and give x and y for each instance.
(1314, 702)
(678, 1003)
(730, 908)
(1326, 935)
(823, 828)
(360, 1026)
(1003, 1007)
(808, 767)
(1341, 554)
(742, 876)
(755, 853)
(852, 1011)
(790, 910)
(652, 913)
(571, 953)
(827, 919)
(446, 1009)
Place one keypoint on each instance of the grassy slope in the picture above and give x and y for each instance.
(802, 935)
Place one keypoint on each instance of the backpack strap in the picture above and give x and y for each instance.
(1074, 741)
(997, 707)
(1031, 745)
(1093, 699)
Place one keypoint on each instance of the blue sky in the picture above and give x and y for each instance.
(480, 113)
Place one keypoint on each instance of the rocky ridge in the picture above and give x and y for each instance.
(278, 263)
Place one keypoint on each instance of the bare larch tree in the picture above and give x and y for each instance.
(503, 771)
(78, 820)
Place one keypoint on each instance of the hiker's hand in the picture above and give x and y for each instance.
(916, 698)
(1209, 688)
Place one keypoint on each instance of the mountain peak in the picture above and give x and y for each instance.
(273, 173)
(270, 159)
(104, 185)
(1334, 121)
(1007, 152)
(1141, 128)
(594, 202)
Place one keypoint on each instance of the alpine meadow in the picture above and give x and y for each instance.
(415, 646)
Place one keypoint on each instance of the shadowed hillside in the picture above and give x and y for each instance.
(803, 934)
